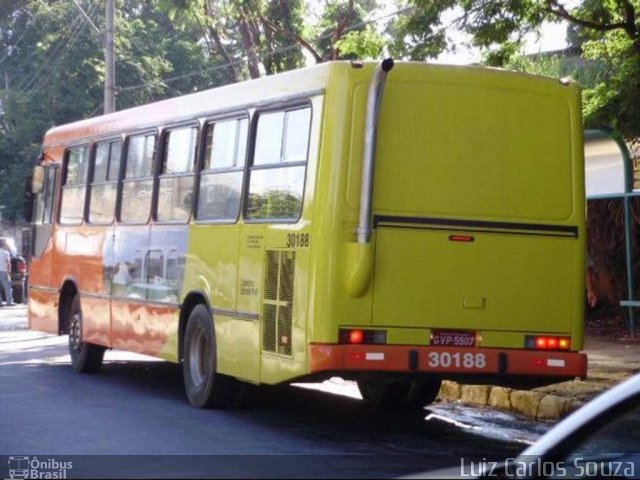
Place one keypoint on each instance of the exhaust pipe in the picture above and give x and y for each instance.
(374, 100)
(359, 265)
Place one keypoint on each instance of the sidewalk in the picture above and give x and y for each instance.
(611, 360)
(13, 317)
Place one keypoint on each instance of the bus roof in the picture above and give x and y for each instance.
(234, 97)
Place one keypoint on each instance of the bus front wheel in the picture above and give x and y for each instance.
(85, 357)
(205, 387)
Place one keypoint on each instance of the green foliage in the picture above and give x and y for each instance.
(342, 25)
(421, 33)
(364, 44)
(284, 52)
(550, 66)
(265, 32)
(615, 98)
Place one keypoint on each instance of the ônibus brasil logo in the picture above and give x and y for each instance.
(32, 467)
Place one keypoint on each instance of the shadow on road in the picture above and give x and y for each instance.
(309, 414)
(139, 408)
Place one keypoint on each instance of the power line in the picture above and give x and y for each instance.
(59, 60)
(78, 27)
(29, 80)
(267, 55)
(88, 18)
(97, 109)
(47, 67)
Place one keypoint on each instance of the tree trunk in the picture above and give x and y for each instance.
(250, 48)
(215, 36)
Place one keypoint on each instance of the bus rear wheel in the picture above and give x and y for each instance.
(205, 388)
(85, 357)
(401, 394)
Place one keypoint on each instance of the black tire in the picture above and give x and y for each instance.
(205, 388)
(18, 295)
(402, 394)
(85, 357)
(422, 392)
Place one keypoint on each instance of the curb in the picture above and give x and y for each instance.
(532, 404)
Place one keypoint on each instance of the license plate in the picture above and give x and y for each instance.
(453, 338)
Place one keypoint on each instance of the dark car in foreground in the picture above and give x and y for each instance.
(18, 272)
(600, 440)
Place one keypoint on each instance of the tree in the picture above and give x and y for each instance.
(607, 32)
(269, 36)
(267, 33)
(343, 33)
(52, 72)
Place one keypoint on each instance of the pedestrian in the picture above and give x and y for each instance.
(5, 272)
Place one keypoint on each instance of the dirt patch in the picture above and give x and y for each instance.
(608, 324)
(613, 357)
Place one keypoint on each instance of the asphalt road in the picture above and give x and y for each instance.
(132, 420)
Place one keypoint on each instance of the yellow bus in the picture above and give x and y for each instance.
(391, 224)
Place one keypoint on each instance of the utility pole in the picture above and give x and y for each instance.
(110, 59)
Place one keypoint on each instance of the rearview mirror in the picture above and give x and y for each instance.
(37, 180)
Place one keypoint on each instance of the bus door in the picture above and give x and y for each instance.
(249, 287)
(43, 298)
(272, 234)
(43, 218)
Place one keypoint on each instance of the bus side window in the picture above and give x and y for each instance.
(75, 185)
(137, 185)
(49, 193)
(277, 174)
(175, 195)
(44, 200)
(221, 179)
(104, 184)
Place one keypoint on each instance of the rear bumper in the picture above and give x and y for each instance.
(446, 360)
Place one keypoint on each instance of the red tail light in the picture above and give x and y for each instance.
(546, 342)
(356, 336)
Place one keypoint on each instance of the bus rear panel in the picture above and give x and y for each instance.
(476, 263)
